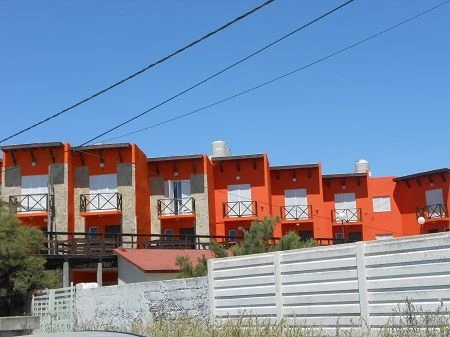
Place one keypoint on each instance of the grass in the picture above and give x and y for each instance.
(406, 321)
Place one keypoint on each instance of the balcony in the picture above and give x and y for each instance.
(351, 215)
(432, 211)
(176, 206)
(239, 209)
(100, 202)
(296, 212)
(32, 203)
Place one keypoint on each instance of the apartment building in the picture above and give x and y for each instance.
(115, 188)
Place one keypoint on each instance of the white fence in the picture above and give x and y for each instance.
(362, 283)
(55, 307)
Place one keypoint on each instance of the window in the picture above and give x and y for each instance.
(346, 203)
(381, 204)
(232, 235)
(34, 193)
(103, 189)
(339, 236)
(93, 232)
(296, 204)
(239, 200)
(434, 201)
(169, 234)
(178, 195)
(387, 236)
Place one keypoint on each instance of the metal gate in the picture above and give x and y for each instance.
(55, 307)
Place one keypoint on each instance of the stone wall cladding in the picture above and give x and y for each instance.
(126, 306)
(58, 175)
(81, 186)
(156, 192)
(128, 203)
(199, 190)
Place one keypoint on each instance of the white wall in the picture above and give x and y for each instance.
(318, 286)
(122, 307)
(129, 273)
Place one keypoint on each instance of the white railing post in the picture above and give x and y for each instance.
(278, 287)
(362, 285)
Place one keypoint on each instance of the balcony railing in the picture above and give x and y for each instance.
(296, 212)
(432, 211)
(101, 202)
(238, 209)
(176, 206)
(351, 214)
(27, 203)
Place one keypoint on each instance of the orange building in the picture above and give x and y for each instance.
(115, 190)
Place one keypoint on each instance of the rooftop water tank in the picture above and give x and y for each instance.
(362, 166)
(219, 149)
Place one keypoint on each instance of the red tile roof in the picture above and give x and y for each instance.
(160, 260)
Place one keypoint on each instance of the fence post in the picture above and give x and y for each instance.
(211, 296)
(278, 290)
(362, 285)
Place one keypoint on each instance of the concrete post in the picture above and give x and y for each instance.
(100, 274)
(66, 275)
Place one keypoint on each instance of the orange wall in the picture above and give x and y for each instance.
(381, 222)
(101, 221)
(307, 178)
(111, 158)
(408, 198)
(248, 174)
(42, 156)
(167, 168)
(332, 186)
(142, 191)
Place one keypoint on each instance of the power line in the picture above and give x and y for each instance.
(279, 77)
(218, 73)
(270, 81)
(139, 72)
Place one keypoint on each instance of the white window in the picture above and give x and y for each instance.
(178, 197)
(296, 204)
(346, 203)
(34, 194)
(381, 204)
(239, 200)
(103, 190)
(435, 200)
(384, 236)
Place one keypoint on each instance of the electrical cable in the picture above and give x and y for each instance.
(139, 72)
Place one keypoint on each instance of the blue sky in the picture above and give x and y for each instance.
(386, 101)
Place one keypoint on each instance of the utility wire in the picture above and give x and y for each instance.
(279, 77)
(218, 73)
(273, 80)
(139, 72)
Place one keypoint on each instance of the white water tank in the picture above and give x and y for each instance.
(219, 149)
(362, 166)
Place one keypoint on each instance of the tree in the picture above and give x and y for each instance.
(187, 269)
(291, 240)
(21, 268)
(256, 239)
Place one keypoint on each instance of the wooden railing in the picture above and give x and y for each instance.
(176, 206)
(24, 203)
(101, 245)
(101, 202)
(238, 209)
(351, 215)
(296, 212)
(432, 211)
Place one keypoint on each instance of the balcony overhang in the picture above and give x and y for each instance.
(176, 216)
(32, 214)
(94, 213)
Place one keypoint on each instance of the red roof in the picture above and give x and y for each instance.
(160, 260)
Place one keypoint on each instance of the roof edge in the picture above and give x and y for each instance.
(344, 175)
(245, 156)
(421, 174)
(291, 167)
(168, 158)
(30, 146)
